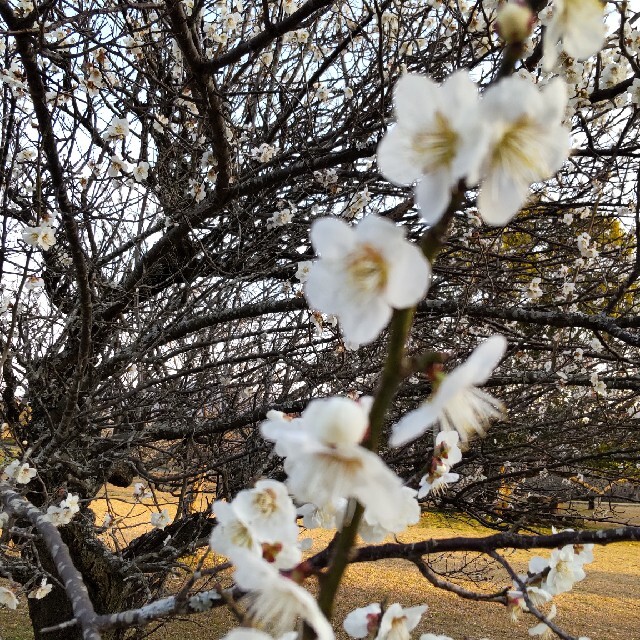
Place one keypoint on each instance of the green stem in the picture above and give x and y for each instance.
(390, 380)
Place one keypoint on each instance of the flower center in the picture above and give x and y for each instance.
(266, 502)
(240, 535)
(437, 148)
(367, 268)
(519, 151)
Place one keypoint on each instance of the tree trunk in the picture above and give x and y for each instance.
(107, 588)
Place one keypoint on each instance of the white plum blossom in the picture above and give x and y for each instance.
(63, 514)
(116, 166)
(324, 460)
(119, 128)
(232, 531)
(458, 403)
(446, 453)
(33, 282)
(289, 6)
(141, 171)
(363, 621)
(437, 140)
(8, 598)
(302, 273)
(363, 273)
(41, 591)
(26, 155)
(533, 290)
(140, 491)
(262, 521)
(528, 143)
(18, 471)
(161, 519)
(264, 153)
(437, 479)
(565, 570)
(197, 190)
(396, 622)
(275, 601)
(280, 218)
(579, 25)
(42, 236)
(447, 449)
(598, 385)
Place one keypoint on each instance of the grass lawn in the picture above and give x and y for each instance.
(605, 606)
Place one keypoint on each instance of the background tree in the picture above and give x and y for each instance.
(179, 152)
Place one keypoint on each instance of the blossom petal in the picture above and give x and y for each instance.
(397, 160)
(501, 197)
(433, 194)
(331, 238)
(409, 279)
(414, 424)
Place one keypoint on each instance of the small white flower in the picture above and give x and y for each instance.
(458, 403)
(533, 290)
(408, 513)
(71, 502)
(275, 601)
(160, 520)
(41, 591)
(141, 171)
(197, 190)
(437, 479)
(289, 6)
(59, 516)
(396, 623)
(264, 153)
(33, 282)
(26, 155)
(437, 140)
(528, 143)
(140, 491)
(232, 531)
(116, 166)
(8, 598)
(269, 510)
(363, 273)
(42, 236)
(324, 461)
(302, 273)
(579, 24)
(119, 128)
(363, 621)
(21, 472)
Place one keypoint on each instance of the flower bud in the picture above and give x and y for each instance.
(514, 22)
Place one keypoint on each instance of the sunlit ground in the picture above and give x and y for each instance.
(605, 606)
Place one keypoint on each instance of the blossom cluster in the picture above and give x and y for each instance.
(446, 136)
